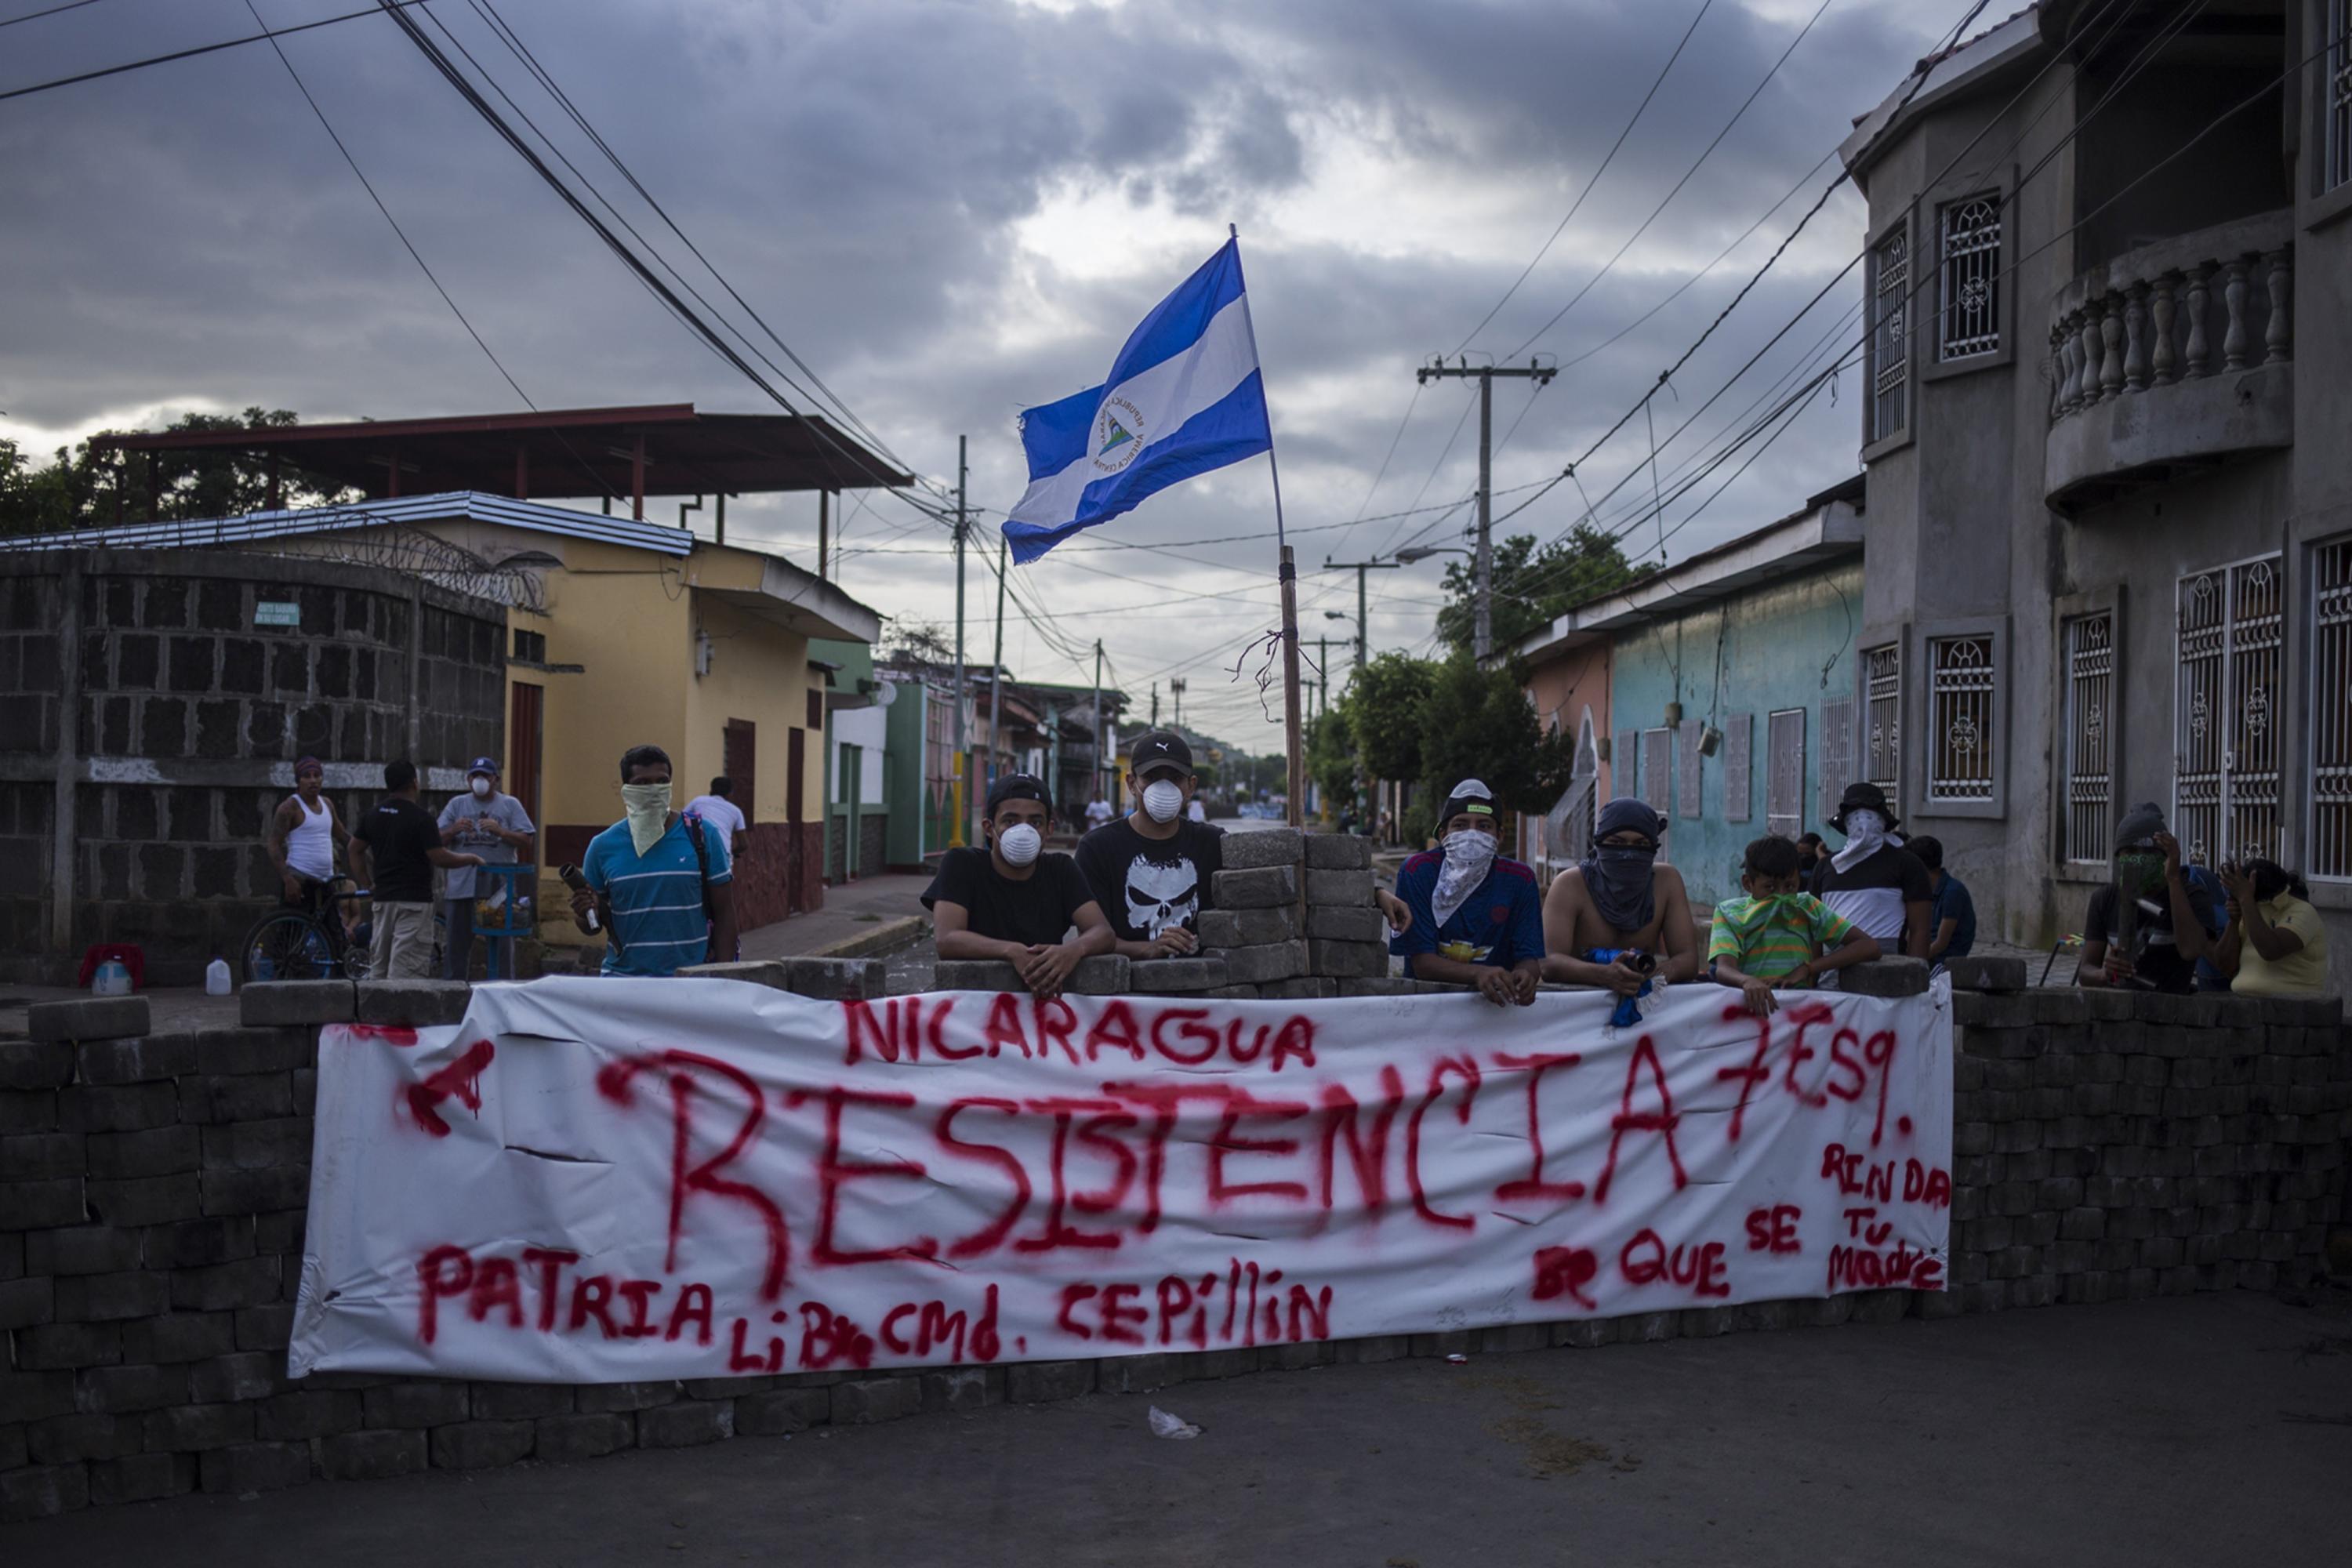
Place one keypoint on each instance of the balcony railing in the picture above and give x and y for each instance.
(2177, 353)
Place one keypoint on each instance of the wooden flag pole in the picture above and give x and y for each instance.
(1293, 750)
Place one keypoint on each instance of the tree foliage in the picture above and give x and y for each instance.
(1332, 758)
(1533, 587)
(1477, 723)
(1383, 709)
(79, 488)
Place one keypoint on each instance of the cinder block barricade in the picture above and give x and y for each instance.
(153, 1187)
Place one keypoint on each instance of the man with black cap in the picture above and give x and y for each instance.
(1476, 918)
(1011, 901)
(493, 825)
(2151, 940)
(1150, 870)
(1617, 902)
(1874, 882)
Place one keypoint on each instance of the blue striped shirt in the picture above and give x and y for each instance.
(657, 898)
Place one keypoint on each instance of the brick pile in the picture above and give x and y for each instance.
(152, 1190)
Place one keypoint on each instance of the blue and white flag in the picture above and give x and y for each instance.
(1183, 397)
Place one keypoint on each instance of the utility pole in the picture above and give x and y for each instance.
(962, 793)
(1322, 676)
(1155, 705)
(1094, 778)
(1360, 568)
(1485, 373)
(1176, 691)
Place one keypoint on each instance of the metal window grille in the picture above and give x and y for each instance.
(1968, 278)
(1960, 719)
(1881, 695)
(2337, 98)
(1624, 764)
(2088, 810)
(2330, 852)
(1837, 756)
(1689, 779)
(2225, 790)
(1658, 770)
(1784, 780)
(1739, 778)
(1890, 357)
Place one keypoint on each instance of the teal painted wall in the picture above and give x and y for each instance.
(1786, 644)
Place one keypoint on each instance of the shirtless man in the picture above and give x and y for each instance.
(1618, 899)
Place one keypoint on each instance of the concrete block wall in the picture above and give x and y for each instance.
(152, 1190)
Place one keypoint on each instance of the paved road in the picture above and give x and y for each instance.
(2147, 1432)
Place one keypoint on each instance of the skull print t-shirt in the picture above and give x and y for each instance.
(1145, 885)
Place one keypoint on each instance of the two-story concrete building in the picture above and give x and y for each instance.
(2109, 487)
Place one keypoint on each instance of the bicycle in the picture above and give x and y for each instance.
(304, 944)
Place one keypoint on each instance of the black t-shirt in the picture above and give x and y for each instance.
(1872, 892)
(2159, 959)
(1038, 909)
(1146, 885)
(398, 834)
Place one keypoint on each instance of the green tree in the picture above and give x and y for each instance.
(1477, 723)
(1383, 712)
(81, 487)
(1533, 587)
(1332, 758)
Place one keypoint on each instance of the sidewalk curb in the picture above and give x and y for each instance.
(888, 934)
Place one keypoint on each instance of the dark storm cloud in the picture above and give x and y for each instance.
(862, 171)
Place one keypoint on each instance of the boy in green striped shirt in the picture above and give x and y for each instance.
(1776, 937)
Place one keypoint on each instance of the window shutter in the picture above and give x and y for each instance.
(1624, 765)
(1688, 778)
(1739, 744)
(1784, 788)
(1839, 766)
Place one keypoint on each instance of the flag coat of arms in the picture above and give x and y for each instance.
(1183, 397)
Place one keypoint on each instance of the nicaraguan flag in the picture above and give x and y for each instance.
(1183, 397)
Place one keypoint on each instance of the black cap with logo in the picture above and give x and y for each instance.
(1017, 786)
(1160, 749)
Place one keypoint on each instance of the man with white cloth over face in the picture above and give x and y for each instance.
(1616, 902)
(1477, 918)
(1874, 882)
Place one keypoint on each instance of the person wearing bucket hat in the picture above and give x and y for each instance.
(1477, 918)
(1011, 899)
(1874, 882)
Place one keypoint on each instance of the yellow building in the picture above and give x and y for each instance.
(621, 631)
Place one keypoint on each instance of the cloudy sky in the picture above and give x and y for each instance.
(953, 210)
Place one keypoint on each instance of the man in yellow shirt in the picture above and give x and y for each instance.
(2276, 945)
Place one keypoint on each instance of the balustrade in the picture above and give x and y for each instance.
(2141, 329)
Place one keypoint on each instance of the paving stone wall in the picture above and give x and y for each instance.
(152, 1190)
(176, 715)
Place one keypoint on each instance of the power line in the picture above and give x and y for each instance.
(380, 8)
(1577, 205)
(37, 15)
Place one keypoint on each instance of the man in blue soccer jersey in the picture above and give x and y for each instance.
(1477, 919)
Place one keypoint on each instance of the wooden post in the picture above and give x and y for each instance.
(1296, 756)
(638, 477)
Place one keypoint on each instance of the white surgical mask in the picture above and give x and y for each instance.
(1163, 800)
(1020, 844)
(481, 788)
(648, 808)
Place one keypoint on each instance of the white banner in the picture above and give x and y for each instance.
(605, 1180)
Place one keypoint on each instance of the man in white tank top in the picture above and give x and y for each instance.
(304, 834)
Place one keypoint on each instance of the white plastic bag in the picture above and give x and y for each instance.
(1166, 1425)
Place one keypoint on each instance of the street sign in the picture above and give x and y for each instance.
(277, 613)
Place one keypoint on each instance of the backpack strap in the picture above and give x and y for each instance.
(701, 858)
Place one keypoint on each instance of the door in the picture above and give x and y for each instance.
(2226, 776)
(740, 752)
(524, 737)
(795, 810)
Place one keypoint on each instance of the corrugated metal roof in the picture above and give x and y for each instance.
(472, 506)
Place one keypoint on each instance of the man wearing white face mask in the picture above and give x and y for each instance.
(1150, 870)
(1013, 901)
(661, 884)
(493, 825)
(1874, 882)
(1477, 918)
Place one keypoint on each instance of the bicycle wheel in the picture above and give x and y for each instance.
(287, 945)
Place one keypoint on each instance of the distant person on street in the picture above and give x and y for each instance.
(1618, 901)
(1477, 918)
(303, 836)
(394, 849)
(1196, 811)
(1098, 811)
(1952, 914)
(1811, 852)
(1779, 937)
(1011, 901)
(2147, 927)
(483, 822)
(2276, 945)
(718, 809)
(1874, 882)
(1150, 870)
(661, 884)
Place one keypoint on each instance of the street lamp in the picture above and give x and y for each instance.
(1413, 552)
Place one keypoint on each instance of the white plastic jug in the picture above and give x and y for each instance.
(112, 979)
(216, 982)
